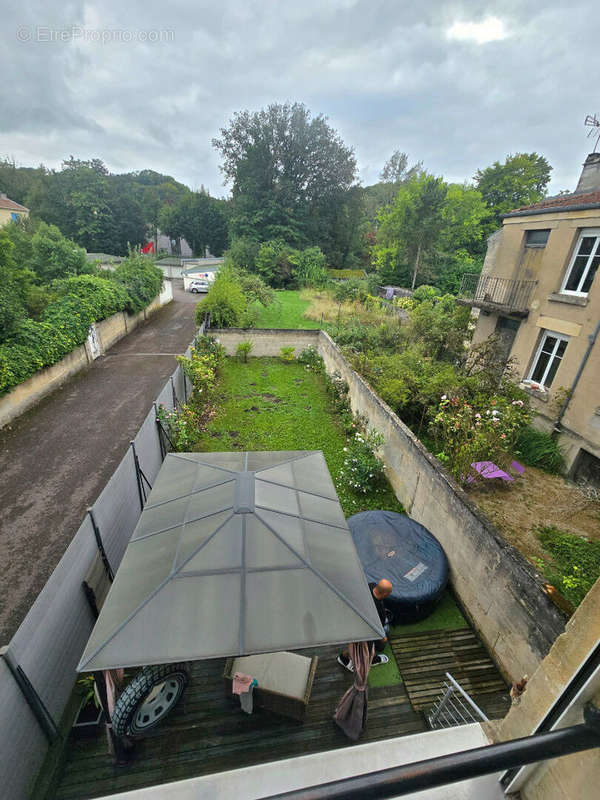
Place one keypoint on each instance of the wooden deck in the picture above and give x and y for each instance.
(209, 733)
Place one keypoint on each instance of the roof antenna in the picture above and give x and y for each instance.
(592, 122)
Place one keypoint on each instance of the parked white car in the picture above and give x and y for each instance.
(198, 286)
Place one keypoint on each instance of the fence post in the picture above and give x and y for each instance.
(158, 433)
(174, 394)
(138, 476)
(100, 546)
(32, 698)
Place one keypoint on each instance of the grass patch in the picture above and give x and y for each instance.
(286, 312)
(572, 565)
(270, 405)
(447, 616)
(385, 674)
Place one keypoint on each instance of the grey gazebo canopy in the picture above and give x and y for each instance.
(234, 553)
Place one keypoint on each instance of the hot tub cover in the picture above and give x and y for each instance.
(234, 554)
(395, 547)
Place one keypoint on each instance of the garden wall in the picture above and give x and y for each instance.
(266, 342)
(108, 331)
(500, 591)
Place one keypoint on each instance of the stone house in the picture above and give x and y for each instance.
(539, 293)
(11, 211)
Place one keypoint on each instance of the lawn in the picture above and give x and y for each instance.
(286, 312)
(267, 404)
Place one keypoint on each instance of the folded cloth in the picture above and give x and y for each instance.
(241, 683)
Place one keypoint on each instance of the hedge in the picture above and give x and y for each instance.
(65, 322)
(346, 274)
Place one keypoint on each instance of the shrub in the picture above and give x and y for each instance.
(539, 449)
(210, 345)
(575, 563)
(310, 267)
(55, 256)
(181, 427)
(242, 253)
(141, 278)
(274, 263)
(104, 296)
(225, 302)
(466, 434)
(243, 350)
(312, 360)
(363, 469)
(287, 353)
(347, 274)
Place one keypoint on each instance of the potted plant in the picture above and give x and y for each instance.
(89, 717)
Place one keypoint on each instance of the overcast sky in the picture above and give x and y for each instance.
(147, 84)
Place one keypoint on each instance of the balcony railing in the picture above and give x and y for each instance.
(497, 294)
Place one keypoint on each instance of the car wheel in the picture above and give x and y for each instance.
(149, 698)
(194, 291)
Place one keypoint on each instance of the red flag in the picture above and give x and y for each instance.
(149, 248)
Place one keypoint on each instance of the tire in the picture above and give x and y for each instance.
(149, 698)
(194, 291)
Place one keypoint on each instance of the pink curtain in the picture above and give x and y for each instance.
(351, 713)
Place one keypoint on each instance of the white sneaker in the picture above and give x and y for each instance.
(380, 658)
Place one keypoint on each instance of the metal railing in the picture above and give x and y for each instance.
(454, 707)
(489, 291)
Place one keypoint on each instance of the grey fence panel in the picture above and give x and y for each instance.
(180, 386)
(22, 743)
(165, 398)
(147, 447)
(52, 636)
(118, 509)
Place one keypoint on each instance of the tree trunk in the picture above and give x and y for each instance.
(416, 269)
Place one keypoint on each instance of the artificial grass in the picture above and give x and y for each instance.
(447, 616)
(385, 674)
(286, 312)
(267, 404)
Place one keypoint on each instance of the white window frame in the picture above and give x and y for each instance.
(595, 250)
(559, 337)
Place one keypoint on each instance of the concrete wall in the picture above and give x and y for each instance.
(577, 775)
(266, 342)
(109, 331)
(499, 590)
(550, 310)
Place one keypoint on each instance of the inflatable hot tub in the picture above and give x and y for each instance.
(395, 547)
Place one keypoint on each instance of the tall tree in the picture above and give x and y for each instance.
(412, 227)
(289, 173)
(200, 219)
(520, 181)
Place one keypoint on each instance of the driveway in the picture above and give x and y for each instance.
(56, 458)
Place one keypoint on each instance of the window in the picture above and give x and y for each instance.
(584, 263)
(537, 238)
(548, 358)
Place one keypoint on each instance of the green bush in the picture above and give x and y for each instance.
(310, 267)
(312, 360)
(243, 350)
(141, 278)
(363, 469)
(539, 449)
(225, 302)
(104, 296)
(287, 353)
(574, 564)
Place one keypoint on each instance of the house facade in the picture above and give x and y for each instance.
(11, 211)
(539, 293)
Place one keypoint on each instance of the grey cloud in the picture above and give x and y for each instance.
(384, 72)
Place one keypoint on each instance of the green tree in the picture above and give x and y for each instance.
(413, 225)
(274, 263)
(309, 267)
(519, 181)
(289, 174)
(55, 256)
(200, 219)
(242, 253)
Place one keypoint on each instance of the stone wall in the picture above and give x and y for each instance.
(499, 590)
(109, 331)
(266, 342)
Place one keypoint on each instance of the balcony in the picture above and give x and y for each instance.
(502, 295)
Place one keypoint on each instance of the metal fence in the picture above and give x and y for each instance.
(37, 670)
(512, 295)
(454, 707)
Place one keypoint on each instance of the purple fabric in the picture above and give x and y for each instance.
(351, 713)
(487, 469)
(517, 467)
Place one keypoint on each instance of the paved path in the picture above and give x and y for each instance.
(56, 458)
